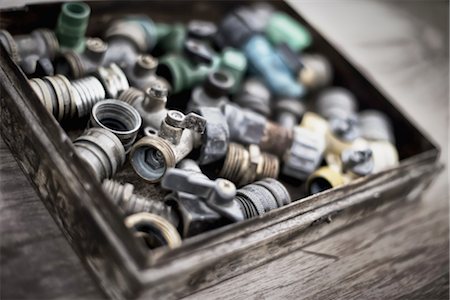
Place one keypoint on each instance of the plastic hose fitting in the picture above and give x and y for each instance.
(316, 73)
(234, 62)
(72, 24)
(255, 96)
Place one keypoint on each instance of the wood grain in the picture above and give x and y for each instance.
(403, 47)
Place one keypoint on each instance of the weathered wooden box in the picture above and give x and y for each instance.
(94, 227)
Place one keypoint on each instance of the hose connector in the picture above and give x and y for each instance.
(72, 24)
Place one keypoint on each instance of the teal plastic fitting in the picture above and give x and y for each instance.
(281, 28)
(171, 37)
(235, 63)
(72, 24)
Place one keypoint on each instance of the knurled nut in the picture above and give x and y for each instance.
(262, 195)
(278, 191)
(12, 46)
(248, 196)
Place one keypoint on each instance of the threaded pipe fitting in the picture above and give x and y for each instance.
(102, 151)
(155, 230)
(261, 197)
(132, 96)
(72, 24)
(151, 156)
(119, 118)
(123, 196)
(276, 139)
(90, 91)
(65, 99)
(113, 79)
(242, 166)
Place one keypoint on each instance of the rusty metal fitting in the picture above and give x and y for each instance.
(305, 154)
(113, 79)
(316, 72)
(203, 204)
(325, 178)
(243, 166)
(28, 49)
(213, 92)
(288, 112)
(152, 155)
(255, 96)
(151, 104)
(119, 118)
(67, 99)
(261, 197)
(276, 139)
(123, 196)
(154, 230)
(376, 126)
(101, 150)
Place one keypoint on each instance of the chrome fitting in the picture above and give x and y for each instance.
(154, 230)
(119, 118)
(102, 151)
(243, 166)
(113, 79)
(262, 196)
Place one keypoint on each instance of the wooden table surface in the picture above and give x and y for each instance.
(403, 47)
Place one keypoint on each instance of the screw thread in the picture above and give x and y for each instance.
(89, 90)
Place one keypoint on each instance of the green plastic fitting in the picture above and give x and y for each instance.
(281, 28)
(235, 62)
(72, 24)
(182, 73)
(171, 37)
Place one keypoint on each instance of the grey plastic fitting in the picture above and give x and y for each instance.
(305, 154)
(102, 151)
(151, 156)
(255, 96)
(243, 166)
(316, 73)
(124, 197)
(213, 92)
(376, 126)
(288, 112)
(261, 197)
(28, 49)
(119, 118)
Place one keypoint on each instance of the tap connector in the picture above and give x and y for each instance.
(155, 231)
(26, 50)
(288, 112)
(129, 203)
(261, 197)
(151, 156)
(213, 93)
(102, 151)
(119, 118)
(203, 204)
(151, 104)
(305, 154)
(255, 96)
(243, 166)
(66, 99)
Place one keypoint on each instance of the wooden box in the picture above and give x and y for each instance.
(94, 227)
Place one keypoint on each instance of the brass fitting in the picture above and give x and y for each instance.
(151, 156)
(243, 166)
(154, 230)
